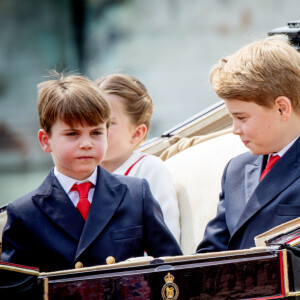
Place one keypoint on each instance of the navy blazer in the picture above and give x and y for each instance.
(45, 230)
(248, 206)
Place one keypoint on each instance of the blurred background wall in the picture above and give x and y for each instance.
(170, 45)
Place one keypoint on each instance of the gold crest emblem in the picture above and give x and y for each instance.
(170, 290)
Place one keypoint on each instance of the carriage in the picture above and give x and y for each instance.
(271, 270)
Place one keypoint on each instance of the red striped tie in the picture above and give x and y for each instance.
(272, 161)
(83, 204)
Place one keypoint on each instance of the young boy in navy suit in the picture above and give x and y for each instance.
(81, 214)
(260, 86)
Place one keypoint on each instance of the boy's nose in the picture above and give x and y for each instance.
(86, 143)
(235, 129)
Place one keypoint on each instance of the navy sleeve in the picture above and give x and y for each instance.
(158, 239)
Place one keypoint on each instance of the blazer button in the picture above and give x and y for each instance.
(110, 260)
(79, 265)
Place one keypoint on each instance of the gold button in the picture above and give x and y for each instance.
(110, 260)
(79, 265)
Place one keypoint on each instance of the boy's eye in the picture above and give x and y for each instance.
(96, 132)
(240, 117)
(71, 133)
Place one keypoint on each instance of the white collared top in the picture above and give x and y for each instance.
(285, 149)
(67, 183)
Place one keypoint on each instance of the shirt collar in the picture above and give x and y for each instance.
(286, 148)
(67, 182)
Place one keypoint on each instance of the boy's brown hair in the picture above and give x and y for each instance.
(71, 99)
(260, 72)
(138, 104)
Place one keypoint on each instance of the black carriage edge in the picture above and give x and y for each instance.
(269, 271)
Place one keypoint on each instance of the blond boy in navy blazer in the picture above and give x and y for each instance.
(260, 86)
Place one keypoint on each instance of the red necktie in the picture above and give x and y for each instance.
(83, 204)
(272, 161)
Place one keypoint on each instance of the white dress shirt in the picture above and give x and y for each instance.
(68, 182)
(285, 149)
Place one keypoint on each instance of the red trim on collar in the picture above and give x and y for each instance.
(129, 169)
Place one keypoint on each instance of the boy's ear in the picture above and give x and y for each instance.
(139, 133)
(284, 107)
(44, 141)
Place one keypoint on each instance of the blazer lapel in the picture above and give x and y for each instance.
(252, 176)
(55, 203)
(108, 194)
(272, 184)
(249, 182)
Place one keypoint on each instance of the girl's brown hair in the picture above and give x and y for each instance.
(138, 104)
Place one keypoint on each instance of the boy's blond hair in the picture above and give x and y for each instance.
(71, 99)
(260, 72)
(138, 104)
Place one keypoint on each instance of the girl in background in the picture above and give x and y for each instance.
(132, 110)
